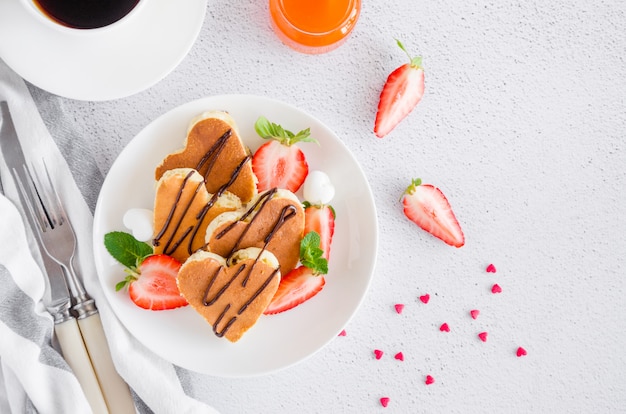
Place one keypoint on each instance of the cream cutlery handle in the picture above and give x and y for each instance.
(77, 357)
(116, 392)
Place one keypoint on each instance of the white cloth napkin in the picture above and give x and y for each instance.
(34, 378)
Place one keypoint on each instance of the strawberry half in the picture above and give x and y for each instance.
(403, 90)
(295, 287)
(279, 162)
(426, 206)
(320, 219)
(153, 284)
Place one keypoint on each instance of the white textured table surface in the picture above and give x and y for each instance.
(523, 126)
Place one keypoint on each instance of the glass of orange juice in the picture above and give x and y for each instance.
(314, 26)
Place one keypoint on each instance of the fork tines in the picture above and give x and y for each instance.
(41, 197)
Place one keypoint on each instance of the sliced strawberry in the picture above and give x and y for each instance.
(321, 219)
(402, 92)
(277, 165)
(153, 285)
(427, 207)
(279, 162)
(295, 287)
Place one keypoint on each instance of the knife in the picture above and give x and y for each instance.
(57, 299)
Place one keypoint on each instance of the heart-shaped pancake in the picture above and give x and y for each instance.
(274, 221)
(183, 209)
(214, 149)
(230, 296)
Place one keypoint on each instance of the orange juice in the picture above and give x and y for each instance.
(314, 26)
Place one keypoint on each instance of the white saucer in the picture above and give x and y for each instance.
(100, 66)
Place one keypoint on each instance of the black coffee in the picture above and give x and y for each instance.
(86, 14)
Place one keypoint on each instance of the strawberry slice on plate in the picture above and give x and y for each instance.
(154, 286)
(296, 287)
(151, 279)
(320, 219)
(280, 162)
(403, 90)
(428, 207)
(306, 280)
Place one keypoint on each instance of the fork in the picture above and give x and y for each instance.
(56, 235)
(54, 231)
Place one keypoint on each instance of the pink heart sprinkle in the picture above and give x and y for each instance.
(444, 327)
(483, 336)
(429, 380)
(474, 313)
(399, 356)
(521, 352)
(384, 401)
(425, 298)
(399, 307)
(491, 269)
(342, 333)
(378, 353)
(496, 288)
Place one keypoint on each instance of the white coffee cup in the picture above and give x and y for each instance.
(96, 20)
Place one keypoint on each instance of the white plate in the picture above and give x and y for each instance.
(182, 336)
(101, 66)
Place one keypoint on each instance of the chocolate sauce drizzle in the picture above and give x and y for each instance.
(209, 301)
(228, 325)
(213, 200)
(211, 156)
(287, 212)
(157, 239)
(213, 153)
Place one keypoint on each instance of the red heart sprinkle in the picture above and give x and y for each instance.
(444, 327)
(399, 356)
(429, 380)
(378, 353)
(399, 307)
(384, 401)
(474, 313)
(496, 288)
(342, 333)
(521, 352)
(483, 336)
(491, 269)
(425, 298)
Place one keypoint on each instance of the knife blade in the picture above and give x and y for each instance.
(58, 293)
(57, 297)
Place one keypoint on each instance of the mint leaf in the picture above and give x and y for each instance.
(126, 249)
(311, 253)
(310, 245)
(270, 130)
